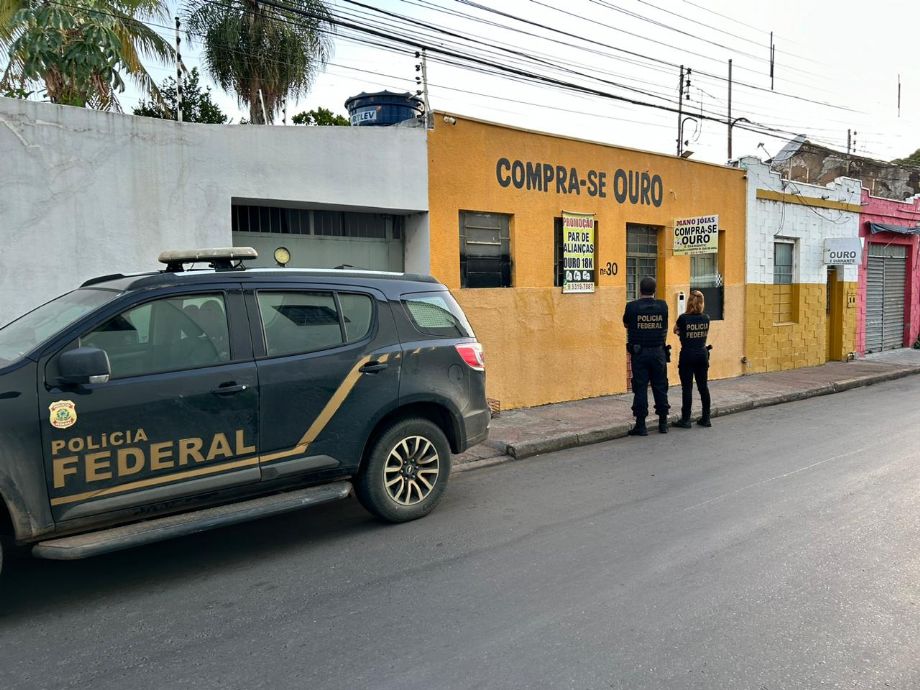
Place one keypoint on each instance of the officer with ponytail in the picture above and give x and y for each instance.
(693, 329)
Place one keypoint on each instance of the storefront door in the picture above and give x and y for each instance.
(885, 285)
(834, 316)
(641, 262)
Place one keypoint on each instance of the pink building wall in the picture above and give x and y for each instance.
(890, 212)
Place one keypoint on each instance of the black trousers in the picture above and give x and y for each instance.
(693, 365)
(650, 366)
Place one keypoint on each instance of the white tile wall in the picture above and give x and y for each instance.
(767, 220)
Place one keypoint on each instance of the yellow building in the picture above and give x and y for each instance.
(803, 257)
(497, 195)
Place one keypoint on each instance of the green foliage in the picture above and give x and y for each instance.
(197, 105)
(15, 91)
(320, 117)
(81, 52)
(261, 53)
(912, 159)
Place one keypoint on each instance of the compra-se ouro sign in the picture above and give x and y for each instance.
(699, 235)
(842, 251)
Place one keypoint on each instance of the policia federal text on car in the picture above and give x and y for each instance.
(646, 321)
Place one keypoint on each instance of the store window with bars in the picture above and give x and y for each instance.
(485, 250)
(783, 290)
(641, 256)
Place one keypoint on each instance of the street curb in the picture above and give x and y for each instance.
(526, 449)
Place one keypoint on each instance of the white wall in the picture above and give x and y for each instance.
(771, 220)
(84, 193)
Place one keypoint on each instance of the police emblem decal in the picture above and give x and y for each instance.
(63, 414)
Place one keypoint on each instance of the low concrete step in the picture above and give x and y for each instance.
(149, 531)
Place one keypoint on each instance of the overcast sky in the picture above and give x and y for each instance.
(845, 55)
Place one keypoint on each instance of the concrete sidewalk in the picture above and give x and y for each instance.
(518, 434)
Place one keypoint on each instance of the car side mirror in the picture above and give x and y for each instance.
(84, 365)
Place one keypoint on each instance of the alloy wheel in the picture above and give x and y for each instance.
(411, 470)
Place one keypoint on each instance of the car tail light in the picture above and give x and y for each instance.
(472, 355)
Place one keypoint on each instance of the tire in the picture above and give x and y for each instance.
(413, 457)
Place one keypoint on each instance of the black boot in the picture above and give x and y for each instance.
(663, 424)
(704, 420)
(684, 423)
(639, 429)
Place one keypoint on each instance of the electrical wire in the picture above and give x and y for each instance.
(466, 61)
(741, 84)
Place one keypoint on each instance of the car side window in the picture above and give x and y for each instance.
(298, 322)
(358, 313)
(168, 334)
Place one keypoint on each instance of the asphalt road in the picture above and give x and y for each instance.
(779, 549)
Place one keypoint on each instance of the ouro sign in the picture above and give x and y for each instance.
(842, 251)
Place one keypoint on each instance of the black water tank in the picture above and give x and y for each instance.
(383, 108)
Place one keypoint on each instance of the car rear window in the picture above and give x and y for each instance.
(437, 313)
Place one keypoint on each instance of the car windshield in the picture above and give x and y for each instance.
(32, 329)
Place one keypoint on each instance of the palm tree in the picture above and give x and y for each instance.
(81, 50)
(259, 51)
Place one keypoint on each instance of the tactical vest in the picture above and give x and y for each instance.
(693, 330)
(647, 322)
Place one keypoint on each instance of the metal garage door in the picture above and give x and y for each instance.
(885, 297)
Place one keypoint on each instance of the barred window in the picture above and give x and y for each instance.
(299, 221)
(783, 289)
(641, 256)
(485, 250)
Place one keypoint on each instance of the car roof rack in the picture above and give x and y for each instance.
(218, 258)
(102, 279)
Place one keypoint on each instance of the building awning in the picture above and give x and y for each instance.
(900, 229)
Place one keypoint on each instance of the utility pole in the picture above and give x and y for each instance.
(729, 109)
(178, 72)
(680, 110)
(422, 81)
(899, 95)
(851, 147)
(772, 59)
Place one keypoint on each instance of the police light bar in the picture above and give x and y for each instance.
(218, 257)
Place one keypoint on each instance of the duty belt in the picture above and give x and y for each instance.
(636, 348)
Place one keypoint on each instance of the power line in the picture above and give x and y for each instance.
(629, 13)
(426, 4)
(466, 61)
(516, 53)
(641, 55)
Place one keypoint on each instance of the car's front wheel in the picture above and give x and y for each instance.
(405, 473)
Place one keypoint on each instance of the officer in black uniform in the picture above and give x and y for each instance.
(693, 328)
(646, 321)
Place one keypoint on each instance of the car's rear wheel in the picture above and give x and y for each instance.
(405, 473)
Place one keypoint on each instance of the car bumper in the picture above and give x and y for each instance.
(477, 427)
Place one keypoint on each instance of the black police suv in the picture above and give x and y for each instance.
(141, 407)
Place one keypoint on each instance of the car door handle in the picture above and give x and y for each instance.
(373, 367)
(230, 389)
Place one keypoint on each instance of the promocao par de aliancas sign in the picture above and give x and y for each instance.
(578, 252)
